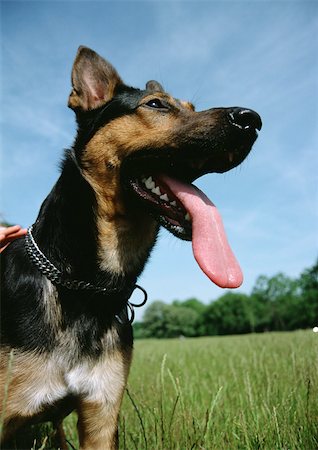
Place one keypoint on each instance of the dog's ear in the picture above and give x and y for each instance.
(154, 86)
(93, 79)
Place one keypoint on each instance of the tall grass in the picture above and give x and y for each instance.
(233, 392)
(237, 392)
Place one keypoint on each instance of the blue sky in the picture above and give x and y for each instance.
(261, 55)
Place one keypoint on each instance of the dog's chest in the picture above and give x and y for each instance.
(51, 378)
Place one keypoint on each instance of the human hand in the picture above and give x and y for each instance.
(9, 234)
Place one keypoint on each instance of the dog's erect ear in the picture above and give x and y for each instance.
(154, 86)
(93, 79)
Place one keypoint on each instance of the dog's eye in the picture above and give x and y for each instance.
(156, 103)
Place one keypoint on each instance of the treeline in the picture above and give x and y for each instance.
(278, 303)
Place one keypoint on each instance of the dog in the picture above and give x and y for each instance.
(66, 334)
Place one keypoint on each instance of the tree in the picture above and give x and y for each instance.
(198, 307)
(307, 307)
(166, 321)
(273, 300)
(230, 314)
(139, 332)
(181, 321)
(192, 303)
(155, 320)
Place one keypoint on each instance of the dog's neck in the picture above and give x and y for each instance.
(74, 235)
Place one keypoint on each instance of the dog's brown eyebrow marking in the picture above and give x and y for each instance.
(188, 105)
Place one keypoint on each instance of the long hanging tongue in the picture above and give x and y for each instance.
(209, 243)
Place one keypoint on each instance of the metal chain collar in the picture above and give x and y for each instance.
(58, 278)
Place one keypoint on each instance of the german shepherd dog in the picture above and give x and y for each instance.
(66, 335)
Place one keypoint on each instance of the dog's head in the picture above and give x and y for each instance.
(141, 150)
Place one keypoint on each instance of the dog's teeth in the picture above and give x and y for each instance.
(156, 190)
(174, 203)
(149, 183)
(187, 217)
(164, 197)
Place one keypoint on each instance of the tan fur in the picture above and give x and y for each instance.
(52, 307)
(97, 425)
(98, 415)
(31, 381)
(188, 105)
(122, 236)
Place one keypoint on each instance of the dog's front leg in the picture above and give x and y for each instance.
(99, 402)
(98, 425)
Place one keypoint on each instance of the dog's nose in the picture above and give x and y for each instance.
(245, 118)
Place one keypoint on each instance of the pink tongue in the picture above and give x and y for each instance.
(209, 243)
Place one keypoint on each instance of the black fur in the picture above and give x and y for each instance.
(65, 231)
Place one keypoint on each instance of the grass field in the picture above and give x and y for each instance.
(233, 392)
(242, 392)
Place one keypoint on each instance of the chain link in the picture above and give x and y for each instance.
(57, 277)
(54, 274)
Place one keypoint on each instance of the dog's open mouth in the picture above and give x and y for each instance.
(166, 206)
(162, 183)
(186, 211)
